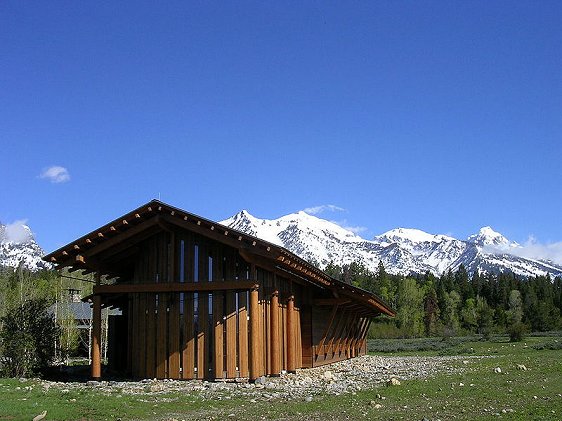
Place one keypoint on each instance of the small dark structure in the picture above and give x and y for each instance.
(200, 300)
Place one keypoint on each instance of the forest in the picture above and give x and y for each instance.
(457, 303)
(453, 304)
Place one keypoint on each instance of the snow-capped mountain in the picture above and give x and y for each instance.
(18, 246)
(402, 250)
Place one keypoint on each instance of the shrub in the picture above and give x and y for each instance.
(516, 332)
(553, 345)
(27, 339)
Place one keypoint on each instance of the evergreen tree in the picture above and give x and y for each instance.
(431, 311)
(463, 284)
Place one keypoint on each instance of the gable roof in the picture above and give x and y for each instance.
(156, 214)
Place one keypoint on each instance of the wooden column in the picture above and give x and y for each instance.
(96, 334)
(291, 340)
(274, 334)
(255, 347)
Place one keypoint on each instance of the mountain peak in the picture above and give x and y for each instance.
(488, 237)
(17, 232)
(18, 246)
(408, 234)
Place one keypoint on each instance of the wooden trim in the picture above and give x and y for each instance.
(230, 334)
(189, 338)
(274, 334)
(218, 356)
(254, 335)
(174, 287)
(291, 363)
(96, 335)
(242, 334)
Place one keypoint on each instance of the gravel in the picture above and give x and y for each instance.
(347, 376)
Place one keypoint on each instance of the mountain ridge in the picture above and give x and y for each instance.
(402, 250)
(319, 241)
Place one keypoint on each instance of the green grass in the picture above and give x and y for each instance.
(533, 394)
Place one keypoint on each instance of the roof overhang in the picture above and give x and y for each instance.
(89, 252)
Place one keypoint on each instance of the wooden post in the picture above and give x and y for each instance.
(96, 335)
(274, 334)
(291, 366)
(255, 347)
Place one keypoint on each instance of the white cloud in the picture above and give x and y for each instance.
(531, 249)
(356, 230)
(56, 174)
(534, 250)
(17, 232)
(315, 210)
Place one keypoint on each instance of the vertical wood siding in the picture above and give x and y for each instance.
(206, 335)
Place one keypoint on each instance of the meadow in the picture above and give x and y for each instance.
(529, 387)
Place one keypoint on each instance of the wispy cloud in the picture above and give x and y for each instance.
(17, 232)
(315, 210)
(531, 249)
(56, 174)
(534, 250)
(354, 229)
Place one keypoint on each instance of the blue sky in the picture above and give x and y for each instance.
(444, 116)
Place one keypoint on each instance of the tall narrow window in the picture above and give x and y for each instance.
(196, 263)
(210, 264)
(182, 261)
(182, 297)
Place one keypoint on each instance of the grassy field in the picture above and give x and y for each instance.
(477, 393)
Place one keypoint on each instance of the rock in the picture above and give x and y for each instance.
(41, 416)
(308, 399)
(377, 406)
(328, 375)
(92, 383)
(497, 370)
(393, 382)
(465, 361)
(260, 380)
(521, 367)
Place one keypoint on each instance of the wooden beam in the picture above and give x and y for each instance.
(219, 236)
(274, 334)
(96, 335)
(120, 238)
(255, 347)
(174, 287)
(327, 330)
(330, 301)
(291, 354)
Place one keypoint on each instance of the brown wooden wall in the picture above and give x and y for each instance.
(338, 333)
(203, 334)
(207, 335)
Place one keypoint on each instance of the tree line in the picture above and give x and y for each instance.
(457, 303)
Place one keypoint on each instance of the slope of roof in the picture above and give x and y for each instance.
(71, 255)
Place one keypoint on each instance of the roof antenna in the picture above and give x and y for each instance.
(158, 195)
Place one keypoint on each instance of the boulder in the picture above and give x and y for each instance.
(393, 382)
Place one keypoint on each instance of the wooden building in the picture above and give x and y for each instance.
(200, 300)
